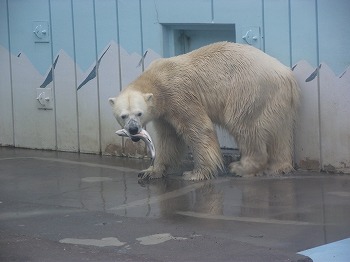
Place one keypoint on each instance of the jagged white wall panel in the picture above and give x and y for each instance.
(322, 138)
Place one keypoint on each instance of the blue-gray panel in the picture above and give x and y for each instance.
(108, 72)
(277, 30)
(106, 23)
(22, 14)
(86, 57)
(334, 33)
(130, 39)
(62, 27)
(245, 14)
(3, 25)
(151, 28)
(129, 25)
(84, 33)
(184, 11)
(304, 32)
(64, 75)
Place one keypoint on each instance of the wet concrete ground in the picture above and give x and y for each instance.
(58, 206)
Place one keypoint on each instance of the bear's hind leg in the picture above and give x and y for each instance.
(254, 157)
(169, 150)
(280, 152)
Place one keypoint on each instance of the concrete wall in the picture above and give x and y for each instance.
(84, 51)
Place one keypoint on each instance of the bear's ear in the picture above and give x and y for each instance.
(111, 101)
(148, 97)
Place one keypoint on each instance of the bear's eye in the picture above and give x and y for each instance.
(139, 114)
(124, 116)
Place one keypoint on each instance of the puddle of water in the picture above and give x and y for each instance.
(96, 179)
(340, 193)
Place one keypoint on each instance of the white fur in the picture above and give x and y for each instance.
(238, 87)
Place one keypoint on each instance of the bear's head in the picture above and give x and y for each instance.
(132, 109)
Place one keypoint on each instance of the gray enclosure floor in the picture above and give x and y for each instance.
(57, 206)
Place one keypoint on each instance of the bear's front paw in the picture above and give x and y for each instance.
(151, 173)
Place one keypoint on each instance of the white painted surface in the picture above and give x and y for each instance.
(335, 119)
(34, 128)
(88, 114)
(338, 251)
(6, 123)
(104, 242)
(66, 103)
(157, 239)
(307, 144)
(109, 86)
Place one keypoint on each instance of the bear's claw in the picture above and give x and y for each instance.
(150, 173)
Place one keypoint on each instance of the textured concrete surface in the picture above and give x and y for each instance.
(58, 206)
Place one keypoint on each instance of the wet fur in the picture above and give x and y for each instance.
(237, 87)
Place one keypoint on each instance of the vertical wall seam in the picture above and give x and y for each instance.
(53, 76)
(119, 60)
(97, 81)
(141, 31)
(290, 34)
(75, 76)
(118, 42)
(11, 76)
(263, 24)
(318, 86)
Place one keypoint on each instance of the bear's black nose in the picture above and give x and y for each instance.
(133, 130)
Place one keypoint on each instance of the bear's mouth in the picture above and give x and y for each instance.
(135, 139)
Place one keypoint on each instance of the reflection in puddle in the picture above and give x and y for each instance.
(298, 200)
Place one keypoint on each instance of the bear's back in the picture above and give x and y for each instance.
(216, 68)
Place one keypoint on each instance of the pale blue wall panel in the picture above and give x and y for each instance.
(304, 31)
(86, 57)
(151, 28)
(108, 70)
(22, 14)
(130, 40)
(277, 30)
(334, 33)
(184, 11)
(243, 13)
(31, 60)
(64, 75)
(83, 15)
(3, 24)
(62, 27)
(129, 25)
(106, 23)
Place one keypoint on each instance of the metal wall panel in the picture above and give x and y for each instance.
(6, 112)
(108, 68)
(92, 49)
(86, 57)
(34, 128)
(276, 29)
(64, 75)
(184, 11)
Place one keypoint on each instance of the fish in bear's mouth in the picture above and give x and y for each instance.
(144, 135)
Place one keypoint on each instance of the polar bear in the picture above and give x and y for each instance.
(238, 87)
